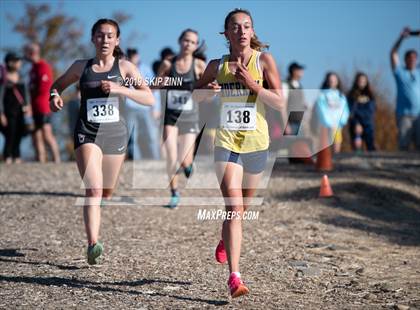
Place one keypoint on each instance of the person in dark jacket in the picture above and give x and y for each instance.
(14, 100)
(362, 112)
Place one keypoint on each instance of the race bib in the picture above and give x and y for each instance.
(103, 110)
(239, 116)
(180, 100)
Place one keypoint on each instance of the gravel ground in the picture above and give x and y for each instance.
(357, 250)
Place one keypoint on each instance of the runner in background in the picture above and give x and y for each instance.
(181, 114)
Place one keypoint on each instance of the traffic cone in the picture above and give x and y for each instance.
(325, 190)
(324, 158)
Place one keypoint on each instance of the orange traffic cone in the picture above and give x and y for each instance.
(324, 157)
(324, 160)
(325, 190)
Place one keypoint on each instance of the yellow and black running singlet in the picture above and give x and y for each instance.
(243, 128)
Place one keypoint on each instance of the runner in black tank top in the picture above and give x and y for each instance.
(180, 110)
(101, 117)
(101, 133)
(181, 114)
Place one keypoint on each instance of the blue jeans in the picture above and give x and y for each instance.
(408, 131)
(141, 123)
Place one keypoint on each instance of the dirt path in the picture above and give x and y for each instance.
(358, 250)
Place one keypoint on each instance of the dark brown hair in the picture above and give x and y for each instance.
(185, 32)
(256, 44)
(326, 83)
(409, 52)
(199, 52)
(356, 91)
(118, 53)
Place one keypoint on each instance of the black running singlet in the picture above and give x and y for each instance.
(100, 112)
(179, 98)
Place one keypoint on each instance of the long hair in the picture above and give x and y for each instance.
(326, 83)
(118, 53)
(256, 44)
(356, 91)
(181, 36)
(200, 51)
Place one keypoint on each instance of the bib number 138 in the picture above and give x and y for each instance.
(239, 116)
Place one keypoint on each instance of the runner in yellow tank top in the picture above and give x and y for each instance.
(232, 91)
(242, 140)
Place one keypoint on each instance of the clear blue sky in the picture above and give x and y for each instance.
(323, 35)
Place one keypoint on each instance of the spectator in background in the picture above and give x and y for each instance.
(3, 121)
(407, 78)
(362, 112)
(293, 114)
(331, 109)
(41, 79)
(14, 99)
(295, 98)
(142, 120)
(165, 54)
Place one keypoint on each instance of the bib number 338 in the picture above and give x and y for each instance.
(103, 110)
(239, 116)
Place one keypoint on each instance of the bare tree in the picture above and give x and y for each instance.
(59, 35)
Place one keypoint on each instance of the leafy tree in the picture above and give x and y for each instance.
(58, 35)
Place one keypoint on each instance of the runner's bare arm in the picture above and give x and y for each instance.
(209, 74)
(72, 75)
(200, 66)
(69, 77)
(140, 92)
(206, 88)
(273, 96)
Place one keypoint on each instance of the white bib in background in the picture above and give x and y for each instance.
(180, 100)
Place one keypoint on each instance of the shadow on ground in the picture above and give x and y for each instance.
(385, 211)
(108, 286)
(44, 193)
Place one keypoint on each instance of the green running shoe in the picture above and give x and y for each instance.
(188, 171)
(94, 252)
(173, 203)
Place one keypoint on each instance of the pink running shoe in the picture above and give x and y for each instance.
(236, 286)
(220, 254)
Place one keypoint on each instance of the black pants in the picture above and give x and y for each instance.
(13, 135)
(368, 135)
